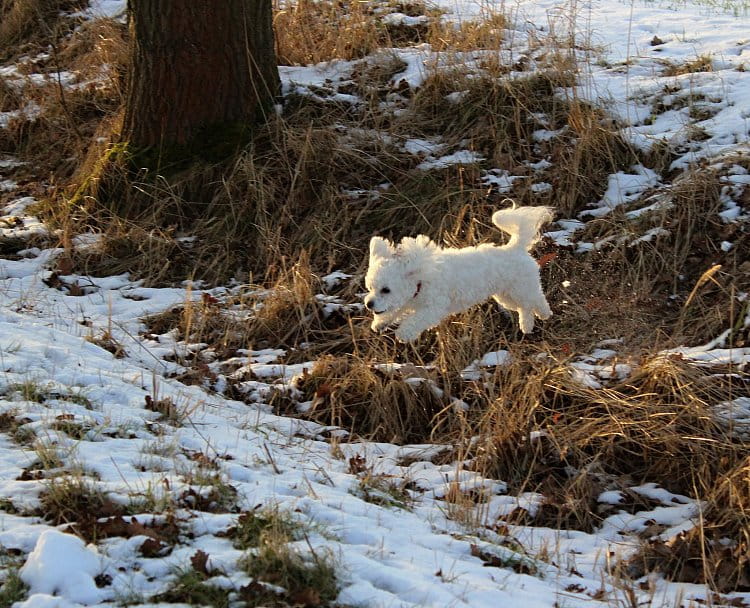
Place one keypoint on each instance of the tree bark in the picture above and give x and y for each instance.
(203, 73)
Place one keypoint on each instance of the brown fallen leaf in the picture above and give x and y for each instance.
(154, 548)
(546, 259)
(575, 588)
(75, 290)
(357, 464)
(199, 561)
(309, 598)
(64, 265)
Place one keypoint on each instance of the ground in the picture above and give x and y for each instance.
(251, 443)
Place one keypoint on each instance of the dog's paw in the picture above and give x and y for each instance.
(379, 325)
(387, 328)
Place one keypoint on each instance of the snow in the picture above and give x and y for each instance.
(563, 236)
(335, 278)
(541, 187)
(492, 359)
(709, 355)
(395, 19)
(422, 147)
(625, 71)
(462, 157)
(386, 555)
(415, 71)
(735, 416)
(500, 179)
(624, 188)
(30, 111)
(61, 565)
(106, 8)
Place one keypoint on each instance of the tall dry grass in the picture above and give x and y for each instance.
(65, 123)
(28, 24)
(310, 32)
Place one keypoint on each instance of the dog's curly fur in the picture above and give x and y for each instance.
(416, 284)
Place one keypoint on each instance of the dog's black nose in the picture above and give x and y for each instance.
(370, 304)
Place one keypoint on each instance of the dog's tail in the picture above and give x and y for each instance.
(522, 224)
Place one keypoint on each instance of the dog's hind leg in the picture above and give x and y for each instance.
(525, 314)
(542, 309)
(526, 320)
(540, 306)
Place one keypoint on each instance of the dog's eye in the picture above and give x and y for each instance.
(385, 290)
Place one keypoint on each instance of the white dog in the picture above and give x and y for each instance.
(417, 284)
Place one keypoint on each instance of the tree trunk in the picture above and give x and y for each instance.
(203, 73)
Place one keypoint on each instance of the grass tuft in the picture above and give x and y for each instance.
(308, 580)
(384, 491)
(76, 501)
(12, 589)
(355, 395)
(714, 553)
(190, 587)
(274, 561)
(253, 526)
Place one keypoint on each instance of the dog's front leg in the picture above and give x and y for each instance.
(412, 326)
(382, 320)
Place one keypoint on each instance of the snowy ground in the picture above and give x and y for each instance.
(410, 555)
(57, 376)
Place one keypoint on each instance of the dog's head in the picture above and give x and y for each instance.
(394, 275)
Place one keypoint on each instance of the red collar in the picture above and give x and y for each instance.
(416, 293)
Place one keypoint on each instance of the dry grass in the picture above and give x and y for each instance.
(714, 553)
(312, 166)
(596, 150)
(128, 247)
(498, 117)
(487, 32)
(290, 315)
(58, 137)
(28, 24)
(311, 32)
(611, 307)
(66, 123)
(287, 315)
(395, 407)
(9, 96)
(681, 277)
(657, 425)
(98, 48)
(288, 210)
(702, 63)
(308, 161)
(242, 221)
(495, 114)
(76, 501)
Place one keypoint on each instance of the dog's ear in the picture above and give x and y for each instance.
(380, 247)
